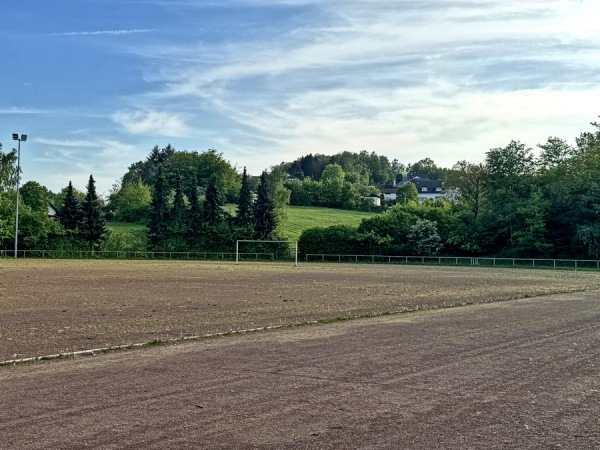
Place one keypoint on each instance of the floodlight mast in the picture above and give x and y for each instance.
(23, 138)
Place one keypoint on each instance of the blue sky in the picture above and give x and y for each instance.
(97, 83)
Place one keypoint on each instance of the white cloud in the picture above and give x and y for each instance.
(76, 160)
(15, 110)
(150, 122)
(101, 32)
(447, 80)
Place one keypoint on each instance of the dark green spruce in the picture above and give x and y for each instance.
(265, 221)
(159, 212)
(70, 213)
(92, 228)
(244, 206)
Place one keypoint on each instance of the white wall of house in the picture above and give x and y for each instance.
(422, 196)
(375, 200)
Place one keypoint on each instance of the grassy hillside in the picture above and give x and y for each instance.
(299, 218)
(303, 217)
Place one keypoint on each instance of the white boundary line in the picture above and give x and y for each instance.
(111, 348)
(404, 310)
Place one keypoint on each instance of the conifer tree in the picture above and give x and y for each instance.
(70, 213)
(92, 228)
(213, 214)
(244, 205)
(159, 212)
(178, 217)
(264, 211)
(194, 223)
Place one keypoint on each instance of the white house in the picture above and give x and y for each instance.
(389, 193)
(52, 211)
(426, 189)
(374, 198)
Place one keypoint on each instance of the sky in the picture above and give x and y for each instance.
(96, 84)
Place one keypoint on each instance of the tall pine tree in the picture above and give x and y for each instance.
(178, 219)
(244, 206)
(92, 228)
(159, 212)
(213, 214)
(264, 211)
(195, 219)
(70, 214)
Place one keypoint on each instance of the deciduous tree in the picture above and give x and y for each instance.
(131, 203)
(467, 182)
(407, 193)
(8, 169)
(424, 238)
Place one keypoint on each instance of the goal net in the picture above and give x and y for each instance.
(255, 249)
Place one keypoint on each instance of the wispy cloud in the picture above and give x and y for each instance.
(154, 123)
(101, 32)
(446, 79)
(15, 110)
(68, 143)
(435, 79)
(76, 160)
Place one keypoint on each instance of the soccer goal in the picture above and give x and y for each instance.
(293, 251)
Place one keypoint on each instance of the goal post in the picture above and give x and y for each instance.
(237, 247)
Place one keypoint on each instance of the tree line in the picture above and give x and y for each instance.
(515, 203)
(182, 208)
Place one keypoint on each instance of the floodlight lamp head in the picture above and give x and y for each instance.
(23, 137)
(15, 137)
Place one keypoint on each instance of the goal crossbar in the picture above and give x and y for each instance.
(237, 248)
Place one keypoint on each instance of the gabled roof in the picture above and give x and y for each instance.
(431, 185)
(419, 182)
(52, 210)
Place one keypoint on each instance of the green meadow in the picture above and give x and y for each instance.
(298, 219)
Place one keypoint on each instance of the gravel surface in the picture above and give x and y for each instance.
(54, 306)
(509, 375)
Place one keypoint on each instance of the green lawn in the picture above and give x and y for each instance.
(299, 218)
(303, 217)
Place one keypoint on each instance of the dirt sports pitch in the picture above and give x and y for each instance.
(521, 373)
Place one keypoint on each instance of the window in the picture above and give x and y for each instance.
(424, 189)
(438, 189)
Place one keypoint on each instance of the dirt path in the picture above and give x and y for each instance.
(511, 375)
(50, 306)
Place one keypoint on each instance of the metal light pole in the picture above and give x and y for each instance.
(17, 138)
